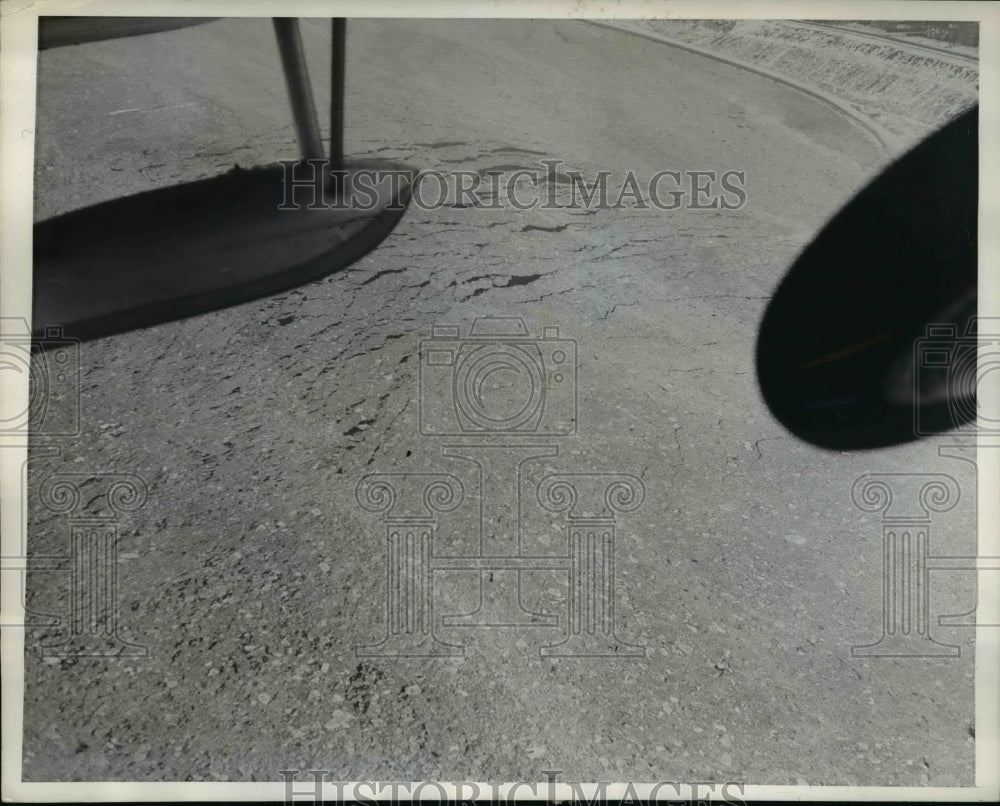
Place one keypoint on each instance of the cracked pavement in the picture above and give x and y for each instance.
(252, 574)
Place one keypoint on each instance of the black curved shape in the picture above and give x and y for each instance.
(200, 246)
(57, 32)
(843, 348)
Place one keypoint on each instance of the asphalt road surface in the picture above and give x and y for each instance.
(252, 573)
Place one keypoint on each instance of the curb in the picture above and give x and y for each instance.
(890, 142)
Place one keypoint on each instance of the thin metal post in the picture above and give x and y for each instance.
(337, 61)
(293, 61)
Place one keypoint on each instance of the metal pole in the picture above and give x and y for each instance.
(337, 61)
(293, 61)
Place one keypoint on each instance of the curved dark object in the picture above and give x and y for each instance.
(200, 246)
(847, 357)
(56, 32)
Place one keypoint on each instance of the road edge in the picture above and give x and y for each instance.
(892, 143)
